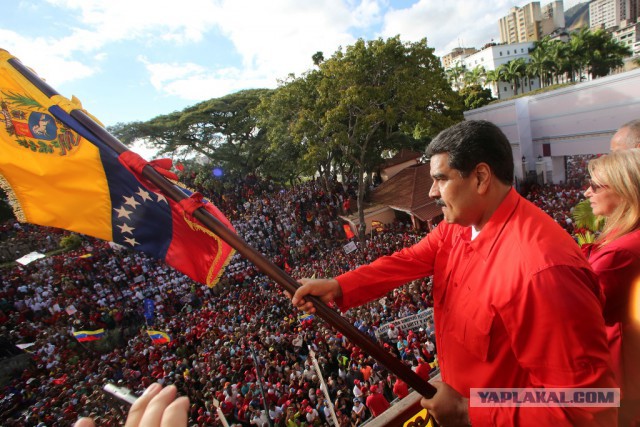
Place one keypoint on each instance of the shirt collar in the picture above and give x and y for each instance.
(485, 241)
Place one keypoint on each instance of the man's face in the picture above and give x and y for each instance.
(456, 195)
(618, 140)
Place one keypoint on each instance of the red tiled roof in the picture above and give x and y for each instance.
(401, 157)
(409, 191)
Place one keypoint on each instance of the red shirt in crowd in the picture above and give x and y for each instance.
(400, 389)
(515, 307)
(377, 404)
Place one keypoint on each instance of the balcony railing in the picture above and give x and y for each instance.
(401, 412)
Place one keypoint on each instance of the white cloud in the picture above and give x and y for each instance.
(448, 24)
(272, 38)
(194, 82)
(45, 58)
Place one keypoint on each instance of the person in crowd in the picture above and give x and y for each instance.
(510, 289)
(156, 407)
(614, 193)
(400, 388)
(627, 136)
(376, 402)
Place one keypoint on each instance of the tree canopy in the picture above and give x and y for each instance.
(222, 129)
(370, 97)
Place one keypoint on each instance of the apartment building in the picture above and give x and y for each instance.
(531, 22)
(456, 56)
(612, 14)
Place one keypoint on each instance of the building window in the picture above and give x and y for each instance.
(508, 52)
(500, 53)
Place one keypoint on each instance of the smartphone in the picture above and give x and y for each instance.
(121, 393)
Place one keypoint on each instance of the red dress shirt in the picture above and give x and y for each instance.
(515, 307)
(617, 265)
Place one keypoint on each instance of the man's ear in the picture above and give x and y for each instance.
(483, 176)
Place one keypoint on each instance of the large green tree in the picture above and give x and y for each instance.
(475, 96)
(359, 102)
(222, 129)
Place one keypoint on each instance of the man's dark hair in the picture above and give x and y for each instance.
(475, 141)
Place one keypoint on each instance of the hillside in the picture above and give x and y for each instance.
(577, 17)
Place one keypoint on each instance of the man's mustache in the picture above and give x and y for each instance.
(440, 202)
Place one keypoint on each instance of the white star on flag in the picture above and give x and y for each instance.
(126, 229)
(131, 202)
(143, 194)
(122, 212)
(131, 241)
(161, 198)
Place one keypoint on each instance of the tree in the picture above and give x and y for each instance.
(455, 74)
(539, 60)
(292, 118)
(370, 97)
(376, 89)
(475, 96)
(537, 64)
(513, 71)
(222, 129)
(496, 76)
(475, 76)
(604, 53)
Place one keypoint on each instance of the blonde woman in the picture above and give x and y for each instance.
(614, 193)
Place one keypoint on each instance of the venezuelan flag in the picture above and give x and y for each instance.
(58, 170)
(159, 337)
(83, 336)
(306, 317)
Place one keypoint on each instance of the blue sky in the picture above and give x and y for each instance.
(132, 60)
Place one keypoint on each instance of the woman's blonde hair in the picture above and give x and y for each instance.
(620, 172)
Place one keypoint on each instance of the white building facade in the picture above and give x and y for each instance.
(492, 57)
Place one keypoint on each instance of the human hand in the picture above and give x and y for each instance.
(447, 406)
(156, 407)
(327, 290)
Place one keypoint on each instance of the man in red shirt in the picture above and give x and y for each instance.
(376, 402)
(516, 304)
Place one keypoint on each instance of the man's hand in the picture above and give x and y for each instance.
(447, 406)
(328, 290)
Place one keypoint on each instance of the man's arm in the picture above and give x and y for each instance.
(375, 280)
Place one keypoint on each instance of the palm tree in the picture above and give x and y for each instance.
(605, 54)
(537, 64)
(495, 76)
(578, 48)
(475, 76)
(455, 73)
(513, 71)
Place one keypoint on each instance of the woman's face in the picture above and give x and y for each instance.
(603, 199)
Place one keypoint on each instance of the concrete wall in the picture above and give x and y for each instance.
(576, 120)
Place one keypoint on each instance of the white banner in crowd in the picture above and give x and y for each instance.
(350, 247)
(29, 258)
(409, 323)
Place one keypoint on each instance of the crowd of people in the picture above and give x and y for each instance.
(215, 332)
(240, 343)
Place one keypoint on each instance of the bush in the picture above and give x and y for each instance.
(71, 241)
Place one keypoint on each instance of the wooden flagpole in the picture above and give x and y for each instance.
(331, 316)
